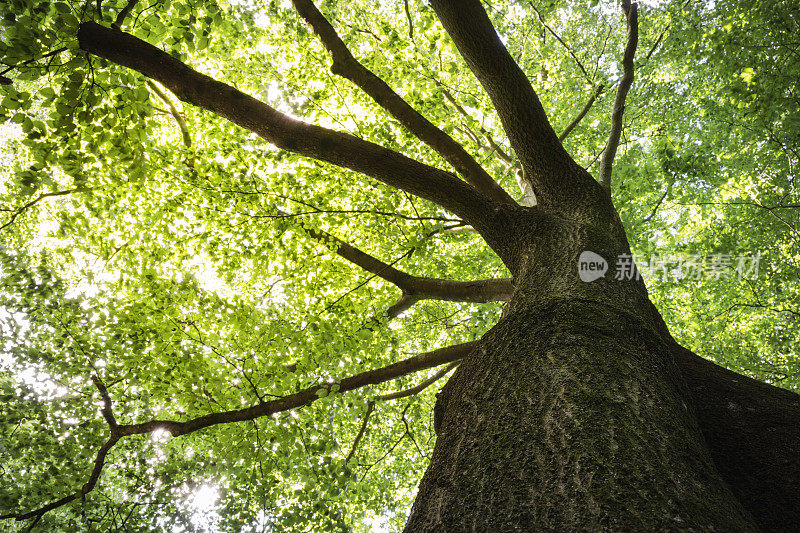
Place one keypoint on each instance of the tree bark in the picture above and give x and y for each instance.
(579, 411)
(752, 431)
(572, 414)
(571, 417)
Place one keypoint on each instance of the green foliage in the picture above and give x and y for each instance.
(185, 277)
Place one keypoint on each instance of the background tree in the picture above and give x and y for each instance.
(283, 314)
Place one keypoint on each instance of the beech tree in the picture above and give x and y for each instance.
(264, 264)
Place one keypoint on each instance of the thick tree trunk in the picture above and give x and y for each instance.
(572, 414)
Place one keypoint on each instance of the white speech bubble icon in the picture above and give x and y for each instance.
(591, 266)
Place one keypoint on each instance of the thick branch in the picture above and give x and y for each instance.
(285, 132)
(479, 291)
(547, 165)
(345, 65)
(306, 396)
(421, 288)
(631, 14)
(752, 431)
(364, 260)
(582, 114)
(286, 403)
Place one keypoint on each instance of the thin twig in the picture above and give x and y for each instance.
(582, 114)
(554, 34)
(28, 61)
(38, 199)
(649, 217)
(422, 386)
(396, 396)
(505, 157)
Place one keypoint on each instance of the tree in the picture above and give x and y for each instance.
(191, 284)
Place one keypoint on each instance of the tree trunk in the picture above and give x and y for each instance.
(752, 431)
(572, 413)
(571, 417)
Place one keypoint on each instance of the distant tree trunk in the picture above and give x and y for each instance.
(572, 414)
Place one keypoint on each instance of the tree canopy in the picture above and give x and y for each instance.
(268, 327)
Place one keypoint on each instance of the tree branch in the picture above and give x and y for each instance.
(549, 168)
(653, 212)
(286, 403)
(361, 431)
(561, 41)
(396, 396)
(418, 287)
(506, 158)
(422, 386)
(38, 199)
(631, 14)
(306, 396)
(402, 305)
(410, 21)
(479, 291)
(582, 114)
(287, 133)
(187, 139)
(655, 44)
(124, 13)
(360, 258)
(106, 410)
(7, 81)
(87, 487)
(345, 65)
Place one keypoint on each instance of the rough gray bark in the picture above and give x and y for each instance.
(570, 417)
(572, 414)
